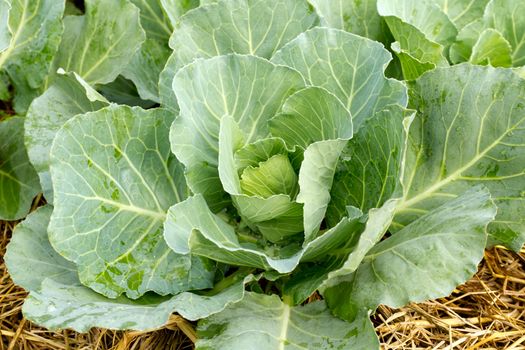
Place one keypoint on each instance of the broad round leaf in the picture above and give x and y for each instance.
(271, 324)
(114, 178)
(355, 16)
(469, 130)
(30, 36)
(30, 258)
(348, 66)
(65, 98)
(425, 260)
(251, 27)
(369, 174)
(98, 45)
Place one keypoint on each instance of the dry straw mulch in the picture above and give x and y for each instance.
(488, 312)
(18, 333)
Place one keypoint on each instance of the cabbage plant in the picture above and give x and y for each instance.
(254, 166)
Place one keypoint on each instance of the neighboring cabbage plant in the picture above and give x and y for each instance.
(249, 165)
(435, 33)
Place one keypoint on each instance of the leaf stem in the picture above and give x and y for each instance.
(231, 280)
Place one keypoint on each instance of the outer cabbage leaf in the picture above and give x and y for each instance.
(370, 171)
(149, 61)
(271, 324)
(246, 27)
(249, 89)
(462, 12)
(469, 130)
(349, 66)
(30, 258)
(425, 260)
(30, 36)
(60, 306)
(174, 9)
(354, 16)
(114, 178)
(379, 220)
(124, 92)
(57, 300)
(18, 179)
(251, 27)
(99, 44)
(5, 34)
(66, 97)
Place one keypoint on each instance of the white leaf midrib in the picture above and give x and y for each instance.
(284, 326)
(12, 44)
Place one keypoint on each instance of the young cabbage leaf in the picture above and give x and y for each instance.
(496, 38)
